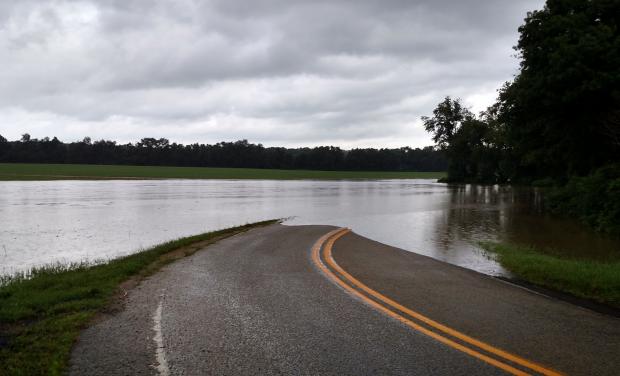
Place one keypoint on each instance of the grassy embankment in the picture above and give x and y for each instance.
(41, 314)
(23, 171)
(593, 280)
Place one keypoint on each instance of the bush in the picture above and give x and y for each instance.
(594, 199)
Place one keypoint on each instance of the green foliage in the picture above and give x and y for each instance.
(4, 146)
(42, 312)
(595, 199)
(597, 281)
(562, 112)
(238, 154)
(19, 171)
(559, 119)
(447, 119)
(470, 143)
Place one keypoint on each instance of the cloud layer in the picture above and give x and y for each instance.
(279, 72)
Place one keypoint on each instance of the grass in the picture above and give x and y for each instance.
(593, 280)
(43, 311)
(24, 171)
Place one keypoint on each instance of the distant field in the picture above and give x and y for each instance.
(21, 171)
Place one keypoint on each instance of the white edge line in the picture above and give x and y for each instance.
(160, 354)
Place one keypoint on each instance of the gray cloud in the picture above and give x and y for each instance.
(286, 72)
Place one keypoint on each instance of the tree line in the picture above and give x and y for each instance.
(557, 123)
(160, 152)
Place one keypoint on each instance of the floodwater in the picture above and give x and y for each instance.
(72, 221)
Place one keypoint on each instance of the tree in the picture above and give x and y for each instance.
(560, 116)
(561, 111)
(151, 151)
(446, 120)
(474, 146)
(467, 142)
(153, 143)
(25, 137)
(4, 146)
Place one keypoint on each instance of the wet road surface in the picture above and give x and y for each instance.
(257, 303)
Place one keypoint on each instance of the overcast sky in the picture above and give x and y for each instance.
(278, 72)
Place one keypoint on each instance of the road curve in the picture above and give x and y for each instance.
(261, 303)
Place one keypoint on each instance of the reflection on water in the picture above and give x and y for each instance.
(65, 221)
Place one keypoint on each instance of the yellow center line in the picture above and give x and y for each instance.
(331, 238)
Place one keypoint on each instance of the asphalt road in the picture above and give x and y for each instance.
(258, 303)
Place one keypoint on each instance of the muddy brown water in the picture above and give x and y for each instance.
(72, 221)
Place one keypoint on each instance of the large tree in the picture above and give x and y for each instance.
(471, 144)
(447, 118)
(562, 110)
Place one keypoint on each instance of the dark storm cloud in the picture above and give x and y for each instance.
(285, 72)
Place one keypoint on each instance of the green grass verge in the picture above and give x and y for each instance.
(24, 171)
(594, 280)
(42, 313)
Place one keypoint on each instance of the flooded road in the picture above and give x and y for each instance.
(72, 221)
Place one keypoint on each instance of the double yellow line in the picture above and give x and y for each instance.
(322, 251)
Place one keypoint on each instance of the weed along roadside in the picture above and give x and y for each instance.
(41, 313)
(597, 281)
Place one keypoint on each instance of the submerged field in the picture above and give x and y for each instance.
(23, 171)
